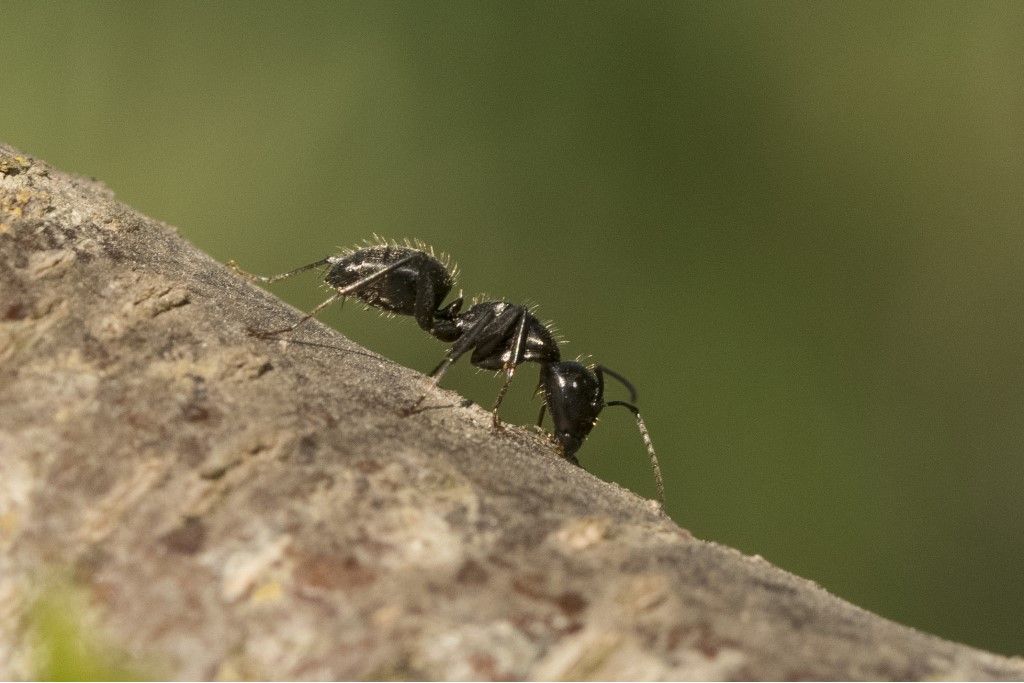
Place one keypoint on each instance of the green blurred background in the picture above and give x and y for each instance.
(796, 227)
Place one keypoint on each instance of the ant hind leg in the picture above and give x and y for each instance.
(267, 279)
(305, 318)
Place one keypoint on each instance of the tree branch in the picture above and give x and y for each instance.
(236, 507)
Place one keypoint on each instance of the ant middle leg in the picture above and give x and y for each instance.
(510, 370)
(515, 353)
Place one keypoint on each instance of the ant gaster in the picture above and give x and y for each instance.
(500, 335)
(393, 278)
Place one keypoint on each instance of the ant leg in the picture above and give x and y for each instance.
(487, 336)
(543, 408)
(510, 369)
(548, 435)
(274, 278)
(460, 347)
(483, 338)
(510, 366)
(646, 436)
(600, 370)
(308, 316)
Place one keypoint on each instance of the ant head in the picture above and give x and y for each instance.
(574, 397)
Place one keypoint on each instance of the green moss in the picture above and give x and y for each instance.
(66, 647)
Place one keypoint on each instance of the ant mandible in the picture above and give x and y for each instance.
(409, 280)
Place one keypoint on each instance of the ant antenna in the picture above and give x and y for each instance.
(625, 382)
(600, 370)
(646, 436)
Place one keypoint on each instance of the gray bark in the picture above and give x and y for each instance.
(236, 507)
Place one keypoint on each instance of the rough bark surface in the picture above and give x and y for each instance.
(234, 507)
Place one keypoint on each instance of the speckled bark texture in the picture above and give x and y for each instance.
(236, 507)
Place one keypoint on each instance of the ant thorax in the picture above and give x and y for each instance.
(499, 344)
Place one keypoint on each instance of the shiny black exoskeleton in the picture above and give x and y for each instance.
(500, 335)
(394, 278)
(575, 396)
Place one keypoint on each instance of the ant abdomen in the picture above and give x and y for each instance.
(405, 276)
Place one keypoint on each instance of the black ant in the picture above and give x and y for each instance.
(408, 280)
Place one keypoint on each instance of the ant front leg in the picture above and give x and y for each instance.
(515, 353)
(540, 420)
